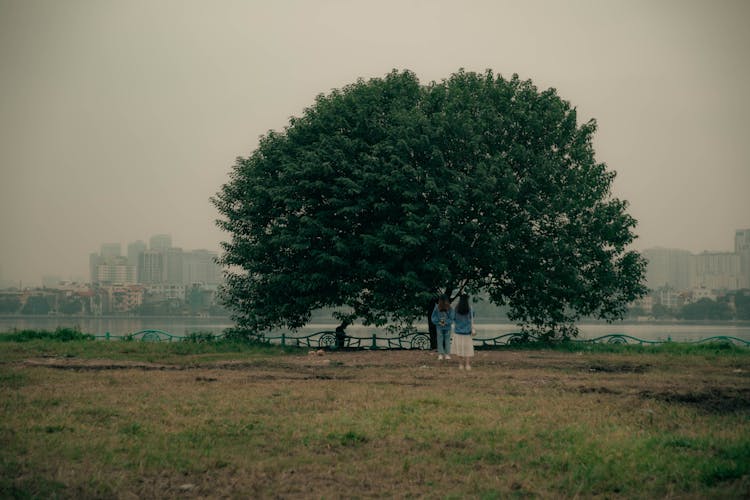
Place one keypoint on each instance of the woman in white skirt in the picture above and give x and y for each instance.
(463, 324)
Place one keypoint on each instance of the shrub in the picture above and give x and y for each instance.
(200, 337)
(61, 334)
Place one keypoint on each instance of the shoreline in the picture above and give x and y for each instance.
(499, 320)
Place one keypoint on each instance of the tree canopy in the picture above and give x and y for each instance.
(706, 309)
(387, 192)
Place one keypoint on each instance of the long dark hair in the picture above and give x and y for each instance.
(463, 305)
(444, 303)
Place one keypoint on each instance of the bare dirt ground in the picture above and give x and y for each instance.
(719, 386)
(355, 358)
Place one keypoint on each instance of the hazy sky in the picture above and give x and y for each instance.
(119, 119)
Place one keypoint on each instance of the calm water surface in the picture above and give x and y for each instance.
(182, 326)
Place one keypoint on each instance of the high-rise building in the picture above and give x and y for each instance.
(160, 242)
(111, 250)
(151, 267)
(134, 249)
(110, 267)
(201, 267)
(111, 270)
(742, 248)
(718, 271)
(668, 267)
(175, 265)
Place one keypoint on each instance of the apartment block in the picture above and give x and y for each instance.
(134, 249)
(152, 267)
(668, 267)
(110, 269)
(718, 271)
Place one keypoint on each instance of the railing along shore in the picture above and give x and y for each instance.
(329, 339)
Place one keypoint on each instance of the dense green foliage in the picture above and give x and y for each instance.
(9, 304)
(59, 335)
(21, 345)
(742, 305)
(706, 309)
(36, 305)
(386, 193)
(733, 305)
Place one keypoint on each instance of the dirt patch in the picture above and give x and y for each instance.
(395, 359)
(358, 359)
(617, 367)
(95, 364)
(714, 400)
(597, 390)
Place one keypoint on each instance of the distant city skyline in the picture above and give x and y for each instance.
(160, 241)
(124, 249)
(680, 269)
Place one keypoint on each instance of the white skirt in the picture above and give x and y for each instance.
(462, 345)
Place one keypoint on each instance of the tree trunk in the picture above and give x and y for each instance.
(341, 334)
(430, 325)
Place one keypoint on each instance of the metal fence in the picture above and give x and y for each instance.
(330, 339)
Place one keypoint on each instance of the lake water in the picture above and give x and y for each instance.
(676, 331)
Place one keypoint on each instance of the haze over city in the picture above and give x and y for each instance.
(119, 120)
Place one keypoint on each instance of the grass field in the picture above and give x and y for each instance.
(87, 419)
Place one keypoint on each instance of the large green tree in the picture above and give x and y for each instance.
(387, 192)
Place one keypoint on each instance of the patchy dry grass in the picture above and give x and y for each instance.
(523, 423)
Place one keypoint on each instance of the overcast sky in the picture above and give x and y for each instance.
(120, 119)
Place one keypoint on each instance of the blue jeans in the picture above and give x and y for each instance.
(444, 341)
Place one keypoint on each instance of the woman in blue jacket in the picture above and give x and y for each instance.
(463, 343)
(442, 317)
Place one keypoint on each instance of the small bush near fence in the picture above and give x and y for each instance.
(200, 337)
